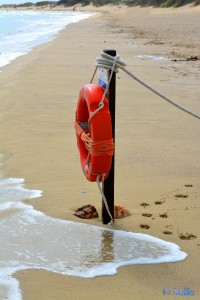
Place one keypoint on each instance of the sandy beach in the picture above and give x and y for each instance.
(157, 146)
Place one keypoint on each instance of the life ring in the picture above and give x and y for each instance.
(94, 133)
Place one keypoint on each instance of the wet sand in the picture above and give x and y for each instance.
(157, 146)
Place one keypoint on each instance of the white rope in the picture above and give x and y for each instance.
(106, 61)
(101, 103)
(104, 199)
(100, 189)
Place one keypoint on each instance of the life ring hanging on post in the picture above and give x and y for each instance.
(94, 132)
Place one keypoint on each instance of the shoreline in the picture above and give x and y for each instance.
(152, 142)
(47, 33)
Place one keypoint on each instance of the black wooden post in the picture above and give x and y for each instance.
(108, 185)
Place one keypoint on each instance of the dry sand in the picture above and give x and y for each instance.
(157, 146)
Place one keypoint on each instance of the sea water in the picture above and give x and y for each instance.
(20, 31)
(31, 240)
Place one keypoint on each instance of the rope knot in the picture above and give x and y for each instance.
(94, 148)
(109, 62)
(101, 104)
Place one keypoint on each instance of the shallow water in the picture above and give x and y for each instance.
(31, 240)
(20, 31)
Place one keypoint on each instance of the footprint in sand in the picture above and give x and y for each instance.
(181, 196)
(144, 226)
(187, 236)
(144, 204)
(159, 202)
(168, 229)
(147, 215)
(184, 195)
(167, 232)
(163, 215)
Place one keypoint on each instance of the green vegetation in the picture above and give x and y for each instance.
(87, 2)
(27, 4)
(154, 3)
(161, 3)
(174, 3)
(44, 3)
(73, 2)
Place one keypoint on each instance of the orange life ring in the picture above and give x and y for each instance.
(94, 134)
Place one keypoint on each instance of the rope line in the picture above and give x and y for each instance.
(101, 103)
(95, 148)
(104, 199)
(106, 61)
